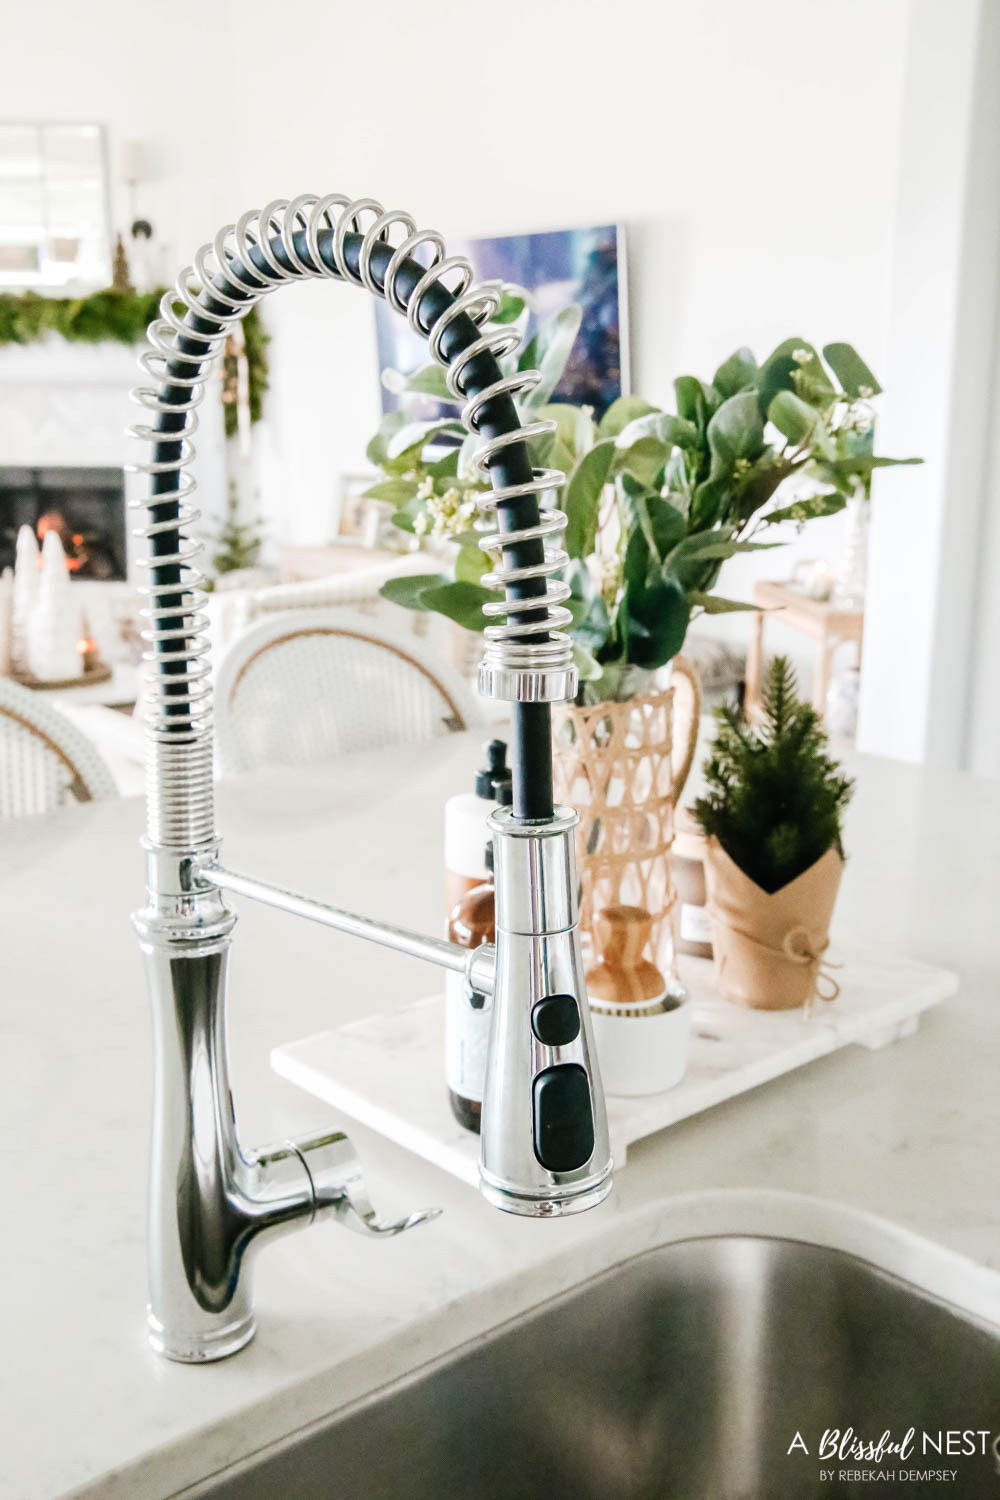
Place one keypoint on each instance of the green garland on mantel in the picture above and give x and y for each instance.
(119, 317)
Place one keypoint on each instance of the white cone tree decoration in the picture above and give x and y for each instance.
(54, 632)
(6, 619)
(25, 596)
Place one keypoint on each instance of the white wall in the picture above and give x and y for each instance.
(752, 150)
(932, 648)
(984, 698)
(107, 61)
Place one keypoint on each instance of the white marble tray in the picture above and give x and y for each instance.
(387, 1070)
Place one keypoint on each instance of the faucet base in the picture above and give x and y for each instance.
(552, 1205)
(199, 1348)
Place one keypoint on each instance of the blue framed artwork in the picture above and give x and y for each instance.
(558, 267)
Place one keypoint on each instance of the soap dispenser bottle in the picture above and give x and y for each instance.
(467, 1012)
(465, 825)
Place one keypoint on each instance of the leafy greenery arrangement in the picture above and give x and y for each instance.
(656, 501)
(774, 798)
(121, 316)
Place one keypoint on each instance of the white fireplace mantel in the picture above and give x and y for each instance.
(64, 404)
(54, 360)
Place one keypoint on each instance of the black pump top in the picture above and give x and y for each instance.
(493, 772)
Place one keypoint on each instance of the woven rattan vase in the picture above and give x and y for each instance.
(623, 766)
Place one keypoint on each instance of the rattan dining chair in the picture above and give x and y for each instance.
(356, 589)
(45, 761)
(303, 687)
(359, 590)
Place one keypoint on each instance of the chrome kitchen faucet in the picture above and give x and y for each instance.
(545, 1145)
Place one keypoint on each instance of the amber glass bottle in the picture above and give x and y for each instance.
(467, 1021)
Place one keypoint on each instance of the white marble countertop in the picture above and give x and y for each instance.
(859, 1141)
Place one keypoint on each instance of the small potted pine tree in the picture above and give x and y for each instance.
(771, 816)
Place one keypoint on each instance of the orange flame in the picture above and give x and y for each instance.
(53, 521)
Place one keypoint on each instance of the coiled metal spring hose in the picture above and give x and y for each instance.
(528, 657)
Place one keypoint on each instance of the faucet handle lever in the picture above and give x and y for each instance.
(339, 1186)
(361, 1218)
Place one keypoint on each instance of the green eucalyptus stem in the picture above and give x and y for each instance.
(686, 489)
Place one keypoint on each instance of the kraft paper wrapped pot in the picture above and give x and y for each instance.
(769, 945)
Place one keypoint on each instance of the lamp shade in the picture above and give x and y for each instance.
(133, 164)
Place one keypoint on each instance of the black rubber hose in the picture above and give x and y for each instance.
(532, 728)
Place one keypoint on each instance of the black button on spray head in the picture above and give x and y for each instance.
(556, 1020)
(562, 1118)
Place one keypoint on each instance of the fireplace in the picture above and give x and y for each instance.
(85, 505)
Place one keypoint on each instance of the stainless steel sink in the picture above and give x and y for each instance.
(683, 1374)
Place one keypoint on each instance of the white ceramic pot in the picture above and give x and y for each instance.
(642, 1054)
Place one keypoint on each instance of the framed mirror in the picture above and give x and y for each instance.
(54, 221)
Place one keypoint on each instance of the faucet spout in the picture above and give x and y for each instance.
(545, 1141)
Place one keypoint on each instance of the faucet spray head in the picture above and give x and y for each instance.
(545, 1148)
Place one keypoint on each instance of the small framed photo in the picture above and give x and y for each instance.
(350, 506)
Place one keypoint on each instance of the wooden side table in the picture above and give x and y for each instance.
(823, 620)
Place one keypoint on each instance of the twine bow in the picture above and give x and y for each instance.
(798, 947)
